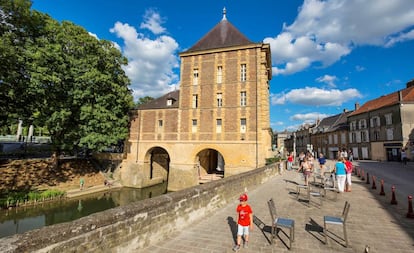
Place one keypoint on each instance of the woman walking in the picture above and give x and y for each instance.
(340, 172)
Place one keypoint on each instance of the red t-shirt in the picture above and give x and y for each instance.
(244, 214)
(349, 166)
(290, 158)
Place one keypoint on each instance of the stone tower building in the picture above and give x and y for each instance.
(216, 124)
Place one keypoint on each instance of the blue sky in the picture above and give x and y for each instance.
(326, 55)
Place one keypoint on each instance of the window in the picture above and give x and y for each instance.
(169, 102)
(388, 119)
(353, 126)
(390, 134)
(330, 139)
(364, 136)
(362, 124)
(335, 139)
(195, 77)
(195, 101)
(343, 138)
(219, 99)
(160, 123)
(218, 125)
(219, 74)
(242, 125)
(375, 121)
(194, 126)
(376, 135)
(358, 137)
(243, 98)
(353, 137)
(243, 73)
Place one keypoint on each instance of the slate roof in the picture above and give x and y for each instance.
(224, 34)
(161, 102)
(407, 95)
(334, 123)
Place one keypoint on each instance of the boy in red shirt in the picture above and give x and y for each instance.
(244, 222)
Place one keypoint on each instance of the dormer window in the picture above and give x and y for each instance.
(169, 102)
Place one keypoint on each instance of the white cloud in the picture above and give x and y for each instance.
(152, 22)
(151, 62)
(315, 96)
(324, 31)
(359, 68)
(328, 79)
(400, 38)
(309, 117)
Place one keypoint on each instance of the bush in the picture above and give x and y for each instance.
(13, 197)
(275, 159)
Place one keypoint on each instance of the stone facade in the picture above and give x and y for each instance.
(137, 225)
(382, 127)
(217, 122)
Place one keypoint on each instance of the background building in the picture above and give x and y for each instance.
(381, 127)
(217, 124)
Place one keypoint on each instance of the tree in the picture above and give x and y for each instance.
(73, 84)
(18, 26)
(144, 100)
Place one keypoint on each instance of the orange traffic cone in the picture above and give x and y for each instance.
(410, 213)
(393, 200)
(374, 186)
(382, 192)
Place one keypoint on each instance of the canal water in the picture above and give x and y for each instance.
(22, 219)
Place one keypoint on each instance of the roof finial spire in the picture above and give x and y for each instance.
(224, 13)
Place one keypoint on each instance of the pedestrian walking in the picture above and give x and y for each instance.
(348, 168)
(306, 169)
(403, 157)
(290, 161)
(81, 183)
(244, 222)
(322, 162)
(340, 173)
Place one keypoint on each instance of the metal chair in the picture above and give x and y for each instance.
(329, 184)
(337, 220)
(299, 187)
(314, 194)
(278, 222)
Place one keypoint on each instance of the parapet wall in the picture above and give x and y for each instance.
(135, 226)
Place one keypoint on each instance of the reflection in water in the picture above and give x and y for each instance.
(22, 219)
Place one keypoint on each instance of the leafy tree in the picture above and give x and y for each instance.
(73, 84)
(144, 100)
(18, 25)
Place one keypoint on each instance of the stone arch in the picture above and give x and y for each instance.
(210, 164)
(157, 164)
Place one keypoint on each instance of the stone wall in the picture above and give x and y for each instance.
(135, 226)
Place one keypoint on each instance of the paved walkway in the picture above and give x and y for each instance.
(372, 221)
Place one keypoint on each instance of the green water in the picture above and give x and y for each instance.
(22, 219)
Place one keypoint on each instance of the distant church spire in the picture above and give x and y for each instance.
(224, 13)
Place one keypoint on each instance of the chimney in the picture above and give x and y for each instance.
(400, 98)
(410, 83)
(356, 106)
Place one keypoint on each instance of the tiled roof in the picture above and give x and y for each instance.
(224, 34)
(161, 102)
(407, 95)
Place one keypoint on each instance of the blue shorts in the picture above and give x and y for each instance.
(242, 230)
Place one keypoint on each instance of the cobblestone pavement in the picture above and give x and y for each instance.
(372, 222)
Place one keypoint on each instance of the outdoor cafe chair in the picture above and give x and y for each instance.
(337, 220)
(279, 222)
